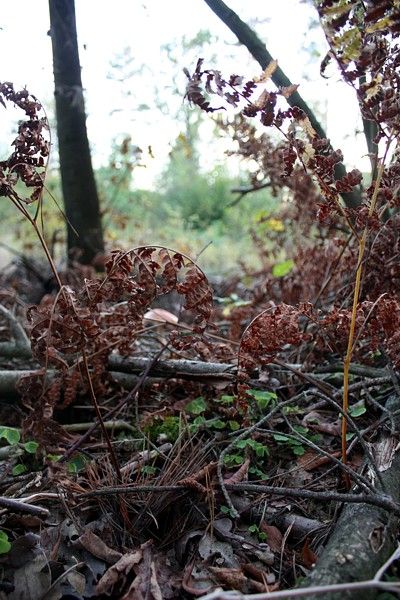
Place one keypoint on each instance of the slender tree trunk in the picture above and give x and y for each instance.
(85, 235)
(257, 49)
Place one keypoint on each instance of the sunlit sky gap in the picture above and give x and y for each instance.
(106, 29)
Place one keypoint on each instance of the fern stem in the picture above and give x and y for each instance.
(362, 242)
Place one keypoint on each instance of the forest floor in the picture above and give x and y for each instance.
(175, 470)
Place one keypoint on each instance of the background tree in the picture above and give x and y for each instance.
(85, 235)
(258, 50)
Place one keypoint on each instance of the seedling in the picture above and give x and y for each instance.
(257, 531)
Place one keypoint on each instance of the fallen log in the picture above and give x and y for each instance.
(180, 369)
(127, 371)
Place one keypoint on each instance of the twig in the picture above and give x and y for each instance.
(361, 480)
(355, 369)
(362, 242)
(22, 507)
(77, 565)
(117, 408)
(364, 446)
(243, 191)
(173, 368)
(100, 419)
(380, 500)
(395, 556)
(387, 586)
(374, 583)
(230, 447)
(113, 425)
(17, 331)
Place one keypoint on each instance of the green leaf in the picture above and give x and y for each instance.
(242, 444)
(227, 511)
(263, 398)
(19, 469)
(357, 410)
(217, 424)
(300, 429)
(226, 400)
(196, 406)
(233, 425)
(298, 450)
(54, 457)
(149, 470)
(77, 464)
(31, 447)
(283, 268)
(253, 529)
(5, 545)
(280, 437)
(11, 434)
(256, 471)
(261, 450)
(233, 459)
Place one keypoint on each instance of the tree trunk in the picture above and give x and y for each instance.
(85, 235)
(257, 49)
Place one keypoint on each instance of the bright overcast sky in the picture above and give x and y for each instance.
(106, 28)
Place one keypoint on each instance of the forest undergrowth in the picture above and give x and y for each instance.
(164, 439)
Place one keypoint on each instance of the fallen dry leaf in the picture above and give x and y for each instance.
(33, 580)
(95, 545)
(313, 460)
(240, 474)
(308, 557)
(118, 572)
(145, 586)
(233, 578)
(274, 536)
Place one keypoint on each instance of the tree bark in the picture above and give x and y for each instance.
(257, 49)
(364, 536)
(85, 235)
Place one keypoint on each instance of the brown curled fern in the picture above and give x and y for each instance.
(105, 316)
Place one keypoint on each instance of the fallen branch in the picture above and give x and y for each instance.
(182, 369)
(365, 534)
(20, 506)
(20, 347)
(380, 500)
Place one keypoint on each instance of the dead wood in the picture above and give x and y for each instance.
(365, 535)
(125, 371)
